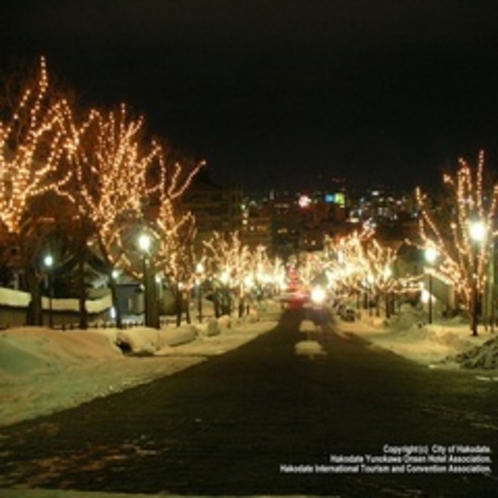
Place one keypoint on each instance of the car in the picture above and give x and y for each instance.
(348, 314)
(293, 300)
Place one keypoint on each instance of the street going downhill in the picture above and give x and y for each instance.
(273, 418)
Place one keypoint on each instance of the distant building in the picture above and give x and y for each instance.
(256, 227)
(216, 208)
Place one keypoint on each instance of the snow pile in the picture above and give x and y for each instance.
(438, 344)
(484, 356)
(409, 335)
(44, 370)
(407, 318)
(147, 342)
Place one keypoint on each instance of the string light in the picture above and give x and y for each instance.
(359, 258)
(31, 152)
(451, 235)
(226, 254)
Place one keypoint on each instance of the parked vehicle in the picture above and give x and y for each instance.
(348, 314)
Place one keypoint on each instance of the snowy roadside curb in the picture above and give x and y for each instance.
(436, 345)
(43, 371)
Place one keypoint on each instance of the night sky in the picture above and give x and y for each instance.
(284, 93)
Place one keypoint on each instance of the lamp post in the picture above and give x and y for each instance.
(388, 273)
(145, 245)
(225, 282)
(477, 232)
(199, 270)
(370, 281)
(115, 311)
(48, 262)
(430, 256)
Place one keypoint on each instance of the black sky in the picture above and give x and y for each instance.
(276, 93)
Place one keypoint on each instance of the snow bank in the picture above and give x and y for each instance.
(147, 342)
(44, 370)
(408, 334)
(484, 356)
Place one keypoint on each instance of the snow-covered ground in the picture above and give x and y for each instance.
(446, 343)
(43, 370)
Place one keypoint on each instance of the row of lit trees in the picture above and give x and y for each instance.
(456, 234)
(92, 177)
(237, 271)
(360, 264)
(93, 183)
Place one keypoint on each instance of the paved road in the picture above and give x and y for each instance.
(256, 420)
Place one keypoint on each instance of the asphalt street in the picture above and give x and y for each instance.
(350, 420)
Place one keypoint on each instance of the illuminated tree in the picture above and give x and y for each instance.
(263, 277)
(346, 265)
(361, 264)
(237, 271)
(447, 227)
(109, 162)
(378, 261)
(32, 148)
(32, 145)
(310, 268)
(228, 262)
(265, 272)
(99, 174)
(175, 231)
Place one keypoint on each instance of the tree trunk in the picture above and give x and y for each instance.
(227, 308)
(34, 314)
(242, 306)
(178, 305)
(186, 305)
(217, 304)
(83, 314)
(388, 305)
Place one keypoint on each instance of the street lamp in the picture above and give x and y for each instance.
(145, 245)
(115, 312)
(48, 262)
(370, 281)
(225, 293)
(199, 270)
(477, 232)
(144, 242)
(388, 273)
(430, 256)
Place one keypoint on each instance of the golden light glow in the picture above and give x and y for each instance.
(32, 148)
(451, 235)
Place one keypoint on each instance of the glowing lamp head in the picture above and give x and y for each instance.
(318, 295)
(431, 255)
(477, 231)
(144, 242)
(48, 261)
